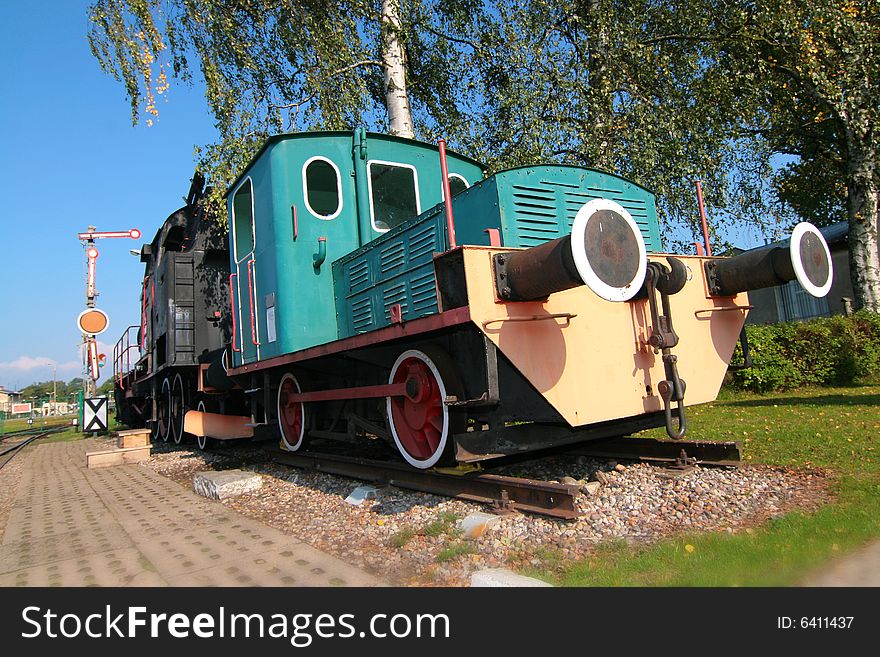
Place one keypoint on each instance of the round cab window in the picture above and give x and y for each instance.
(322, 188)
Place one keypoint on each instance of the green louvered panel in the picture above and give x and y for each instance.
(540, 203)
(397, 268)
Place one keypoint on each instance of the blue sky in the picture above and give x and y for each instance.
(70, 159)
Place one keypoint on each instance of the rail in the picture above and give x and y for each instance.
(501, 492)
(7, 453)
(122, 356)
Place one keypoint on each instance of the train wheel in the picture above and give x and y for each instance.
(178, 409)
(162, 427)
(291, 414)
(203, 441)
(420, 422)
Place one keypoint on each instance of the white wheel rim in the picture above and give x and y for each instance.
(166, 385)
(579, 254)
(177, 433)
(201, 441)
(291, 446)
(444, 434)
(794, 250)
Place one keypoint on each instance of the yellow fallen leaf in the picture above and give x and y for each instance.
(380, 521)
(689, 548)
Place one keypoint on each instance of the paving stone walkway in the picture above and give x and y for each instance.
(129, 526)
(861, 568)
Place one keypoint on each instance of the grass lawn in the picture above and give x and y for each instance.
(836, 429)
(19, 424)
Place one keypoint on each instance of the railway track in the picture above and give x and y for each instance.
(505, 493)
(8, 452)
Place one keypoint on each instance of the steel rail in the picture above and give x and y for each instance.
(663, 451)
(502, 493)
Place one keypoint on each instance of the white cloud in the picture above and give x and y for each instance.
(27, 363)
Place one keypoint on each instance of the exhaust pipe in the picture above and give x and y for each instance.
(807, 260)
(605, 251)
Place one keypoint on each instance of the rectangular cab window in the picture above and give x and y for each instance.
(394, 195)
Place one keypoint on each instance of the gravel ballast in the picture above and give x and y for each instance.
(412, 538)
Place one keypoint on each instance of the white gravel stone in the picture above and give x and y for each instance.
(361, 494)
(495, 577)
(477, 524)
(225, 484)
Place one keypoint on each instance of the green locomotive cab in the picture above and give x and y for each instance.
(306, 200)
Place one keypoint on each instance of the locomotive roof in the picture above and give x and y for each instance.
(335, 133)
(578, 166)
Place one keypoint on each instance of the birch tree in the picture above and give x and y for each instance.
(268, 66)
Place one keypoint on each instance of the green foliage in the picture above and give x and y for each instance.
(43, 390)
(105, 388)
(660, 92)
(826, 351)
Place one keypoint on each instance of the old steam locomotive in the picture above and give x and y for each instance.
(374, 286)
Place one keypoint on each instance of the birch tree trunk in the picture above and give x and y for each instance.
(400, 121)
(864, 255)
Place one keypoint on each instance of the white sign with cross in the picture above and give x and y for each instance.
(95, 414)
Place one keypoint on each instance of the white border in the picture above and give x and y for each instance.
(238, 262)
(578, 251)
(167, 433)
(302, 431)
(202, 441)
(467, 185)
(794, 250)
(339, 200)
(370, 188)
(89, 310)
(441, 448)
(253, 222)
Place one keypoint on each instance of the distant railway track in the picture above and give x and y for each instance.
(506, 493)
(8, 452)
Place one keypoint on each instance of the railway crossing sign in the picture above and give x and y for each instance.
(94, 414)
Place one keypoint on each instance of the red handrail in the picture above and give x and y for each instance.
(251, 301)
(144, 313)
(232, 306)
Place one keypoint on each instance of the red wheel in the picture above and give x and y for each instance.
(420, 422)
(291, 414)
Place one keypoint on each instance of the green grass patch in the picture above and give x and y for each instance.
(444, 523)
(835, 429)
(20, 424)
(455, 550)
(401, 537)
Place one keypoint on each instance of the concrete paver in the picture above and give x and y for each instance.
(861, 568)
(129, 526)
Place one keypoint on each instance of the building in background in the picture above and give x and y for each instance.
(7, 399)
(788, 302)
